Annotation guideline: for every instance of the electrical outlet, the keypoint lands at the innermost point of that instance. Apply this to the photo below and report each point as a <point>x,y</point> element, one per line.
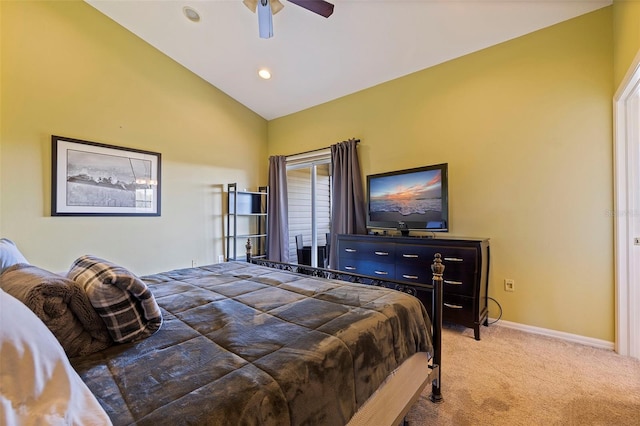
<point>194,263</point>
<point>220,258</point>
<point>509,285</point>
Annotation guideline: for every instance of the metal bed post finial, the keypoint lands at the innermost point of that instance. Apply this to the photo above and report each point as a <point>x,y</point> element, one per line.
<point>248,248</point>
<point>438,270</point>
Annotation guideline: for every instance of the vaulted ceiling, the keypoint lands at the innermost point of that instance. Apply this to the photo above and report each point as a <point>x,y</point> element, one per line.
<point>314,59</point>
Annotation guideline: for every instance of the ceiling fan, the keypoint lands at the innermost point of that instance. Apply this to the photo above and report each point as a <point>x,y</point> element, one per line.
<point>267,8</point>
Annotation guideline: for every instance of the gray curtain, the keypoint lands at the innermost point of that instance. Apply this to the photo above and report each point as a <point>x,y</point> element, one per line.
<point>348,203</point>
<point>278,224</point>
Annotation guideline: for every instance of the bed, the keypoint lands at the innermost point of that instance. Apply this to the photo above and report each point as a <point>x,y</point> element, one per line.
<point>244,344</point>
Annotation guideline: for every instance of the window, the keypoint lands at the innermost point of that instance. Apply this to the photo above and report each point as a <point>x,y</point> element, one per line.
<point>309,193</point>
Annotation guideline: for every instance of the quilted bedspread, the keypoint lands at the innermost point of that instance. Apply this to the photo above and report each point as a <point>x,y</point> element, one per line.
<point>243,344</point>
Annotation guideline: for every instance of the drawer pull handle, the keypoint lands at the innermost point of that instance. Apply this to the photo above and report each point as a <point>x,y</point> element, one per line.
<point>413,256</point>
<point>453,259</point>
<point>453,282</point>
<point>381,272</point>
<point>350,250</point>
<point>350,268</point>
<point>449,305</point>
<point>411,277</point>
<point>381,253</point>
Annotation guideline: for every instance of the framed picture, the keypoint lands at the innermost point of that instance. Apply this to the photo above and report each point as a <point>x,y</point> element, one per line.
<point>94,179</point>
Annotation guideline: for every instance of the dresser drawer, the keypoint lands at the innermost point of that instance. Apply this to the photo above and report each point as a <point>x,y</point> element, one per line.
<point>414,273</point>
<point>425,252</point>
<point>459,258</point>
<point>458,309</point>
<point>413,264</point>
<point>454,282</point>
<point>365,250</point>
<point>415,254</point>
<point>369,267</point>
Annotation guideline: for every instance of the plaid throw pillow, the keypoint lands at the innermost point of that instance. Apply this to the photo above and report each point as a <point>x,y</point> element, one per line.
<point>122,300</point>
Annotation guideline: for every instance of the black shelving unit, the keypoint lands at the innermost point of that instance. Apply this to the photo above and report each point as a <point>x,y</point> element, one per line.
<point>246,220</point>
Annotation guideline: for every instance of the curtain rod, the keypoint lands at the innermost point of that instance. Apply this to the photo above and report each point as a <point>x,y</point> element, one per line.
<point>321,149</point>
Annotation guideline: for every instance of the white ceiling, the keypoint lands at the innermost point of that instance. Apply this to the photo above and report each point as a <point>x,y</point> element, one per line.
<point>314,59</point>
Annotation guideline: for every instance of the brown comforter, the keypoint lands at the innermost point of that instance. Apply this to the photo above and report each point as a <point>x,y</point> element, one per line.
<point>247,345</point>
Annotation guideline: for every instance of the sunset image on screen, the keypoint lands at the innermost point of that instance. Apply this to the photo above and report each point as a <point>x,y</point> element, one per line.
<point>408,194</point>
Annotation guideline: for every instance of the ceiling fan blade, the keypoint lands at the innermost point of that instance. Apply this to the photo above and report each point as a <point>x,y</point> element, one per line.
<point>276,6</point>
<point>251,4</point>
<point>320,7</point>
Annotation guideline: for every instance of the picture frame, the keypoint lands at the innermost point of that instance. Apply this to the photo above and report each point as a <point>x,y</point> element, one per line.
<point>96,179</point>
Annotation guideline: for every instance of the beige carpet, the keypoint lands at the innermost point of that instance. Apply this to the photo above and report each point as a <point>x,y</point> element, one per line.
<point>515,378</point>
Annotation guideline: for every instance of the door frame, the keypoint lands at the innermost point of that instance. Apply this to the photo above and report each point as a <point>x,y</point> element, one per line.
<point>626,213</point>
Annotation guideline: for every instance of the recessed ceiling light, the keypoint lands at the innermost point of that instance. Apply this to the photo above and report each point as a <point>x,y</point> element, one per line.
<point>191,14</point>
<point>264,73</point>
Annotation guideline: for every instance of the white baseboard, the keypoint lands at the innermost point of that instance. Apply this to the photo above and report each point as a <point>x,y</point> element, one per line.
<point>575,338</point>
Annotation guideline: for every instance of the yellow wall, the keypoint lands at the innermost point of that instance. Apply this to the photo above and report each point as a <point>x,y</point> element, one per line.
<point>626,36</point>
<point>69,70</point>
<point>526,128</point>
<point>1,91</point>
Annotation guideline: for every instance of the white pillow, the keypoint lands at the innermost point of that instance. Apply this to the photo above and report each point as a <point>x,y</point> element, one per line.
<point>9,254</point>
<point>37,383</point>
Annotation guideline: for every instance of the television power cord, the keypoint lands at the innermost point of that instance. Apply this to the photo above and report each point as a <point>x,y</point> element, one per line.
<point>499,307</point>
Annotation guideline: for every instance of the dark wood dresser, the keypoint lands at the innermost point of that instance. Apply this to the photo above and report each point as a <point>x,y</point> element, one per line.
<point>408,259</point>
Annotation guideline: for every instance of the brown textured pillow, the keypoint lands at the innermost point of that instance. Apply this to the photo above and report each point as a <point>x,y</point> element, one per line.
<point>61,304</point>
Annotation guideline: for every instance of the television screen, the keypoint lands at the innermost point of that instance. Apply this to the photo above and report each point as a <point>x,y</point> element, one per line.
<point>409,199</point>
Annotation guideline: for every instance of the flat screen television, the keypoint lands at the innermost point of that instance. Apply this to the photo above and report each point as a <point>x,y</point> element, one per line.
<point>416,199</point>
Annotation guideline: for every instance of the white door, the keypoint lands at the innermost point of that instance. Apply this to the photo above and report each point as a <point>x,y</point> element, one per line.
<point>627,212</point>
